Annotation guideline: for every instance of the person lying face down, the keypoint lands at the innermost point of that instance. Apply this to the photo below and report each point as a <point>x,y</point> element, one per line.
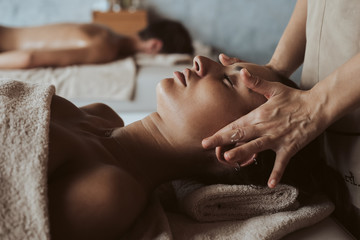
<point>101,173</point>
<point>65,44</point>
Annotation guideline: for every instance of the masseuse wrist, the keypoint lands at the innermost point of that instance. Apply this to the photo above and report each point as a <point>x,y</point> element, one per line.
<point>321,110</point>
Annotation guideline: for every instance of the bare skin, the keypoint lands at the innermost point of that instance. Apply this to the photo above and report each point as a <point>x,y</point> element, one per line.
<point>64,44</point>
<point>101,173</point>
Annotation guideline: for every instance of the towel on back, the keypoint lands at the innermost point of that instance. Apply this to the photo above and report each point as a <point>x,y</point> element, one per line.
<point>110,81</point>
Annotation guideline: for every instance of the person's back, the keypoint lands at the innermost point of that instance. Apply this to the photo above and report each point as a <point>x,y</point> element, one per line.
<point>58,45</point>
<point>54,36</point>
<point>66,44</point>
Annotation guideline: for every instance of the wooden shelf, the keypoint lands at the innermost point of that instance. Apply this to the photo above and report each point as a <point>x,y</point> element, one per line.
<point>124,22</point>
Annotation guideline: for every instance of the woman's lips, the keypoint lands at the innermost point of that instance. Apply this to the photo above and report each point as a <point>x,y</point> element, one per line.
<point>180,76</point>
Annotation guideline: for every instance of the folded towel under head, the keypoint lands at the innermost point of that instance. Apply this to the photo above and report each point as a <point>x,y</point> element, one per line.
<point>208,203</point>
<point>162,221</point>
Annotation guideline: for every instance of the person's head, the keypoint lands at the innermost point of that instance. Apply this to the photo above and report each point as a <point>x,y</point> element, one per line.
<point>199,101</point>
<point>166,36</point>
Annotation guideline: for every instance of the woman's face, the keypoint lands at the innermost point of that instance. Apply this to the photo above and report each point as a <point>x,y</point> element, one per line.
<point>197,102</point>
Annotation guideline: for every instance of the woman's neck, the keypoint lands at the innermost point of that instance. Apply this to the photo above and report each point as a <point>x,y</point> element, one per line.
<point>145,150</point>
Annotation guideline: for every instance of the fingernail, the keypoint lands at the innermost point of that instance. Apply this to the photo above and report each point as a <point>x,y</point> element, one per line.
<point>246,72</point>
<point>272,183</point>
<point>228,156</point>
<point>225,56</point>
<point>207,143</point>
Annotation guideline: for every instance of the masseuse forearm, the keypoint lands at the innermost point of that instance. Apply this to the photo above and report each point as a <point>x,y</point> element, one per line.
<point>338,94</point>
<point>289,53</point>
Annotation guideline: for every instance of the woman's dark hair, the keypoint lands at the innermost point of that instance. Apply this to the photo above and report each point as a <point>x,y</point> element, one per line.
<point>175,37</point>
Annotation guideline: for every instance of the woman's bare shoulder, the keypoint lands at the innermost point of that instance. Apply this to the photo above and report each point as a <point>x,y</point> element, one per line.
<point>103,111</point>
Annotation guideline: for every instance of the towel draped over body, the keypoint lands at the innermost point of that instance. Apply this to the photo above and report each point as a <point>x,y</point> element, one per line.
<point>24,126</point>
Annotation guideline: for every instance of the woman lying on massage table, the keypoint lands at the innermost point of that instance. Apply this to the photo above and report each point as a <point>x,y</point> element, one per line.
<point>101,174</point>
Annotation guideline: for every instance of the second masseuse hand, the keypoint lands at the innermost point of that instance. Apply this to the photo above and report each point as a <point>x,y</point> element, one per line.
<point>285,124</point>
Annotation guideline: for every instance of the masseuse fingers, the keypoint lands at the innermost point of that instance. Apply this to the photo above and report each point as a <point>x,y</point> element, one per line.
<point>259,85</point>
<point>231,134</point>
<point>245,153</point>
<point>226,135</point>
<point>226,60</point>
<point>281,161</point>
<point>219,151</point>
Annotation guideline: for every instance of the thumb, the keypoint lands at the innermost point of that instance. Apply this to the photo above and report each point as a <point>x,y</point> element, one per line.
<point>259,85</point>
<point>226,60</point>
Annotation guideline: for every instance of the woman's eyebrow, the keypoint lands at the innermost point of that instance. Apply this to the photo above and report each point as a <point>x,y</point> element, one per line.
<point>238,68</point>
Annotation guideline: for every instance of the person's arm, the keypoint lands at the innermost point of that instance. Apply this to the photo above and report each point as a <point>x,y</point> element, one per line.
<point>339,92</point>
<point>290,51</point>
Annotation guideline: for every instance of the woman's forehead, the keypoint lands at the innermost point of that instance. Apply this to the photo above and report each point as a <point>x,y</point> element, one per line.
<point>240,65</point>
<point>238,68</point>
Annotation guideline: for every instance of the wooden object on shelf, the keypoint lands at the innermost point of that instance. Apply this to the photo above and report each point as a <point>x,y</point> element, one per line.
<point>124,22</point>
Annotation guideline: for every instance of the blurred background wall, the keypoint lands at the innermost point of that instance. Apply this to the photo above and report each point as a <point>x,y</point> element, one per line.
<point>248,29</point>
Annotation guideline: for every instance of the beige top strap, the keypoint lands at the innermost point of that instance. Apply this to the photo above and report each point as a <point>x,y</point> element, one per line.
<point>333,37</point>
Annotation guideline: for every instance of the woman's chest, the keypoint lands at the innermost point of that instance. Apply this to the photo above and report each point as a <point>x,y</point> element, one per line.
<point>78,143</point>
<point>79,136</point>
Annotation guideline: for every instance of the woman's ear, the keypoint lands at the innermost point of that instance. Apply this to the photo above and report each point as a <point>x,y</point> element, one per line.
<point>153,46</point>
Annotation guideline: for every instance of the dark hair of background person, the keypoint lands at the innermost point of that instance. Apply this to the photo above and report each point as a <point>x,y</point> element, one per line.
<point>175,37</point>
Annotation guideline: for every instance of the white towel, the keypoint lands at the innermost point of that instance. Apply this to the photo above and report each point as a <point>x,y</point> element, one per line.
<point>220,202</point>
<point>265,227</point>
<point>24,128</point>
<point>157,224</point>
<point>110,81</point>
<point>163,59</point>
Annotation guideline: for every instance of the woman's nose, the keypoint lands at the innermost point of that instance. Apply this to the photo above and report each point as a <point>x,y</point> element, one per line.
<point>199,65</point>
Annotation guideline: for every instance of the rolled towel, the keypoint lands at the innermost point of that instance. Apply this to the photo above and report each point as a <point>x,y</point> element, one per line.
<point>209,203</point>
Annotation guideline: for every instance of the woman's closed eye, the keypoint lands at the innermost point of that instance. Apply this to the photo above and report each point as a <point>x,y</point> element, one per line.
<point>227,81</point>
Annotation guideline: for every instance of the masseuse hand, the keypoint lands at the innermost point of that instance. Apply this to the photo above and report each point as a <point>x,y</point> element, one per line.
<point>285,124</point>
